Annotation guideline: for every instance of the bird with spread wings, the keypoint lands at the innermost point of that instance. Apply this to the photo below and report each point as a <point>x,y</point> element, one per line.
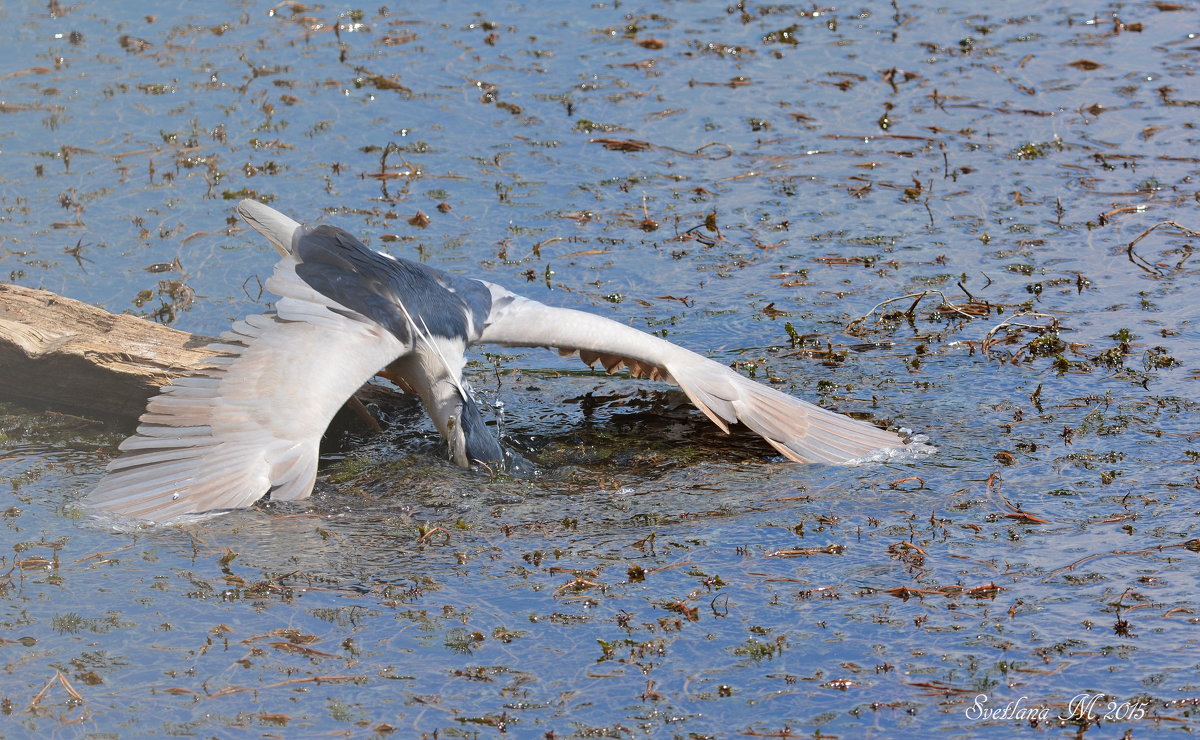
<point>250,422</point>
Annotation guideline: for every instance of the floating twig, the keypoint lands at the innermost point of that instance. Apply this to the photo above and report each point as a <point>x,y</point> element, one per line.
<point>834,549</point>
<point>917,297</point>
<point>635,145</point>
<point>60,679</point>
<point>1145,264</point>
<point>1012,321</point>
<point>1192,544</point>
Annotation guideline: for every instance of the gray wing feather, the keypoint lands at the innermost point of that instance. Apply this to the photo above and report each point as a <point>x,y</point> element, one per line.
<point>276,227</point>
<point>798,430</point>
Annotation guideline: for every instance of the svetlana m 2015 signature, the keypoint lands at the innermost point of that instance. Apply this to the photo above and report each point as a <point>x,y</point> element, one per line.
<point>1089,707</point>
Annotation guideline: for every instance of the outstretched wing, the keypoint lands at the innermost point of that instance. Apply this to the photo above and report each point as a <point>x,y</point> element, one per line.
<point>252,421</point>
<point>799,430</point>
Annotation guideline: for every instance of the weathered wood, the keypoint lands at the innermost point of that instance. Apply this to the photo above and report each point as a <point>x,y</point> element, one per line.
<point>65,354</point>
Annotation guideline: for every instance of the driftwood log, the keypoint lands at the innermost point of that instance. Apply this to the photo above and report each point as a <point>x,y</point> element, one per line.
<point>60,353</point>
<point>63,354</point>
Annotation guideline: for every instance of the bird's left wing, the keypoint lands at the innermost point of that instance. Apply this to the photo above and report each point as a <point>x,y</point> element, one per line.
<point>251,422</point>
<point>798,430</point>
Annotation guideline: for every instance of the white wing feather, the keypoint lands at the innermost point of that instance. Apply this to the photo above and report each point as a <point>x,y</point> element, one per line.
<point>253,421</point>
<point>799,430</point>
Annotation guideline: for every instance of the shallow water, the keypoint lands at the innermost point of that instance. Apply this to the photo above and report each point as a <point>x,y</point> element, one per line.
<point>710,173</point>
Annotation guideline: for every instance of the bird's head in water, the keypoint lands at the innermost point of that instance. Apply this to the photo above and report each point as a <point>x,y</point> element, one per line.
<point>471,442</point>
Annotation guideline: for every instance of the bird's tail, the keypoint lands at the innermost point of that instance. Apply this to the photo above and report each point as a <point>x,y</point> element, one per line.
<point>799,430</point>
<point>276,227</point>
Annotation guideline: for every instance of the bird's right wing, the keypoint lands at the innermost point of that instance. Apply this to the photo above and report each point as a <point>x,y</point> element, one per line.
<point>799,430</point>
<point>252,421</point>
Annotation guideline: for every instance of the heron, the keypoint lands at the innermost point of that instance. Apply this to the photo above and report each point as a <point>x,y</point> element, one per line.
<point>250,421</point>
